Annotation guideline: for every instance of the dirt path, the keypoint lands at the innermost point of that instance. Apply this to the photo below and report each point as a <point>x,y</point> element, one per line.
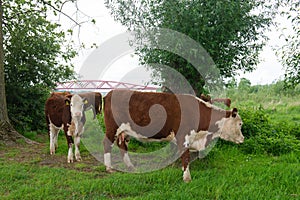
<point>38,154</point>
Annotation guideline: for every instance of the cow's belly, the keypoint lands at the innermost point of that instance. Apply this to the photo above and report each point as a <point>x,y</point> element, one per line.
<point>126,130</point>
<point>56,125</point>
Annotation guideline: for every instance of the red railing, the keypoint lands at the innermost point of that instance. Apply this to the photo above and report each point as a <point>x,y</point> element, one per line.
<point>100,85</point>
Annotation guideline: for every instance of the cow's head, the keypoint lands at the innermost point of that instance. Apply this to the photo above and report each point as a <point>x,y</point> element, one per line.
<point>77,106</point>
<point>230,128</point>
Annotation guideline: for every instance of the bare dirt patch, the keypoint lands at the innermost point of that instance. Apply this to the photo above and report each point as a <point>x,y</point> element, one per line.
<point>38,154</point>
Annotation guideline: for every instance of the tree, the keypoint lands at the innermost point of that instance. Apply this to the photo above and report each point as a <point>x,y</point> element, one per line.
<point>34,55</point>
<point>290,52</point>
<point>244,85</point>
<point>7,133</point>
<point>4,121</point>
<point>231,31</point>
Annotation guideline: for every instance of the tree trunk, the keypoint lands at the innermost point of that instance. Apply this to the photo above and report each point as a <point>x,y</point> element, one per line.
<point>8,135</point>
<point>3,107</point>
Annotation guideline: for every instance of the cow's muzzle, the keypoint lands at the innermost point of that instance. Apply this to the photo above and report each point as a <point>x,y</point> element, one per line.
<point>77,114</point>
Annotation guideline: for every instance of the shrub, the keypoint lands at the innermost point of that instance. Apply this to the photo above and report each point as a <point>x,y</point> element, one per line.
<point>265,136</point>
<point>255,121</point>
<point>26,108</point>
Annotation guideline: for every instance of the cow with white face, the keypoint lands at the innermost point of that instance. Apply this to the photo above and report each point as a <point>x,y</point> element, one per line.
<point>184,119</point>
<point>67,114</point>
<point>78,120</point>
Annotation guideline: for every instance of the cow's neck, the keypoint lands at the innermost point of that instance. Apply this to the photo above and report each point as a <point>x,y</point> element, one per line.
<point>217,115</point>
<point>78,125</point>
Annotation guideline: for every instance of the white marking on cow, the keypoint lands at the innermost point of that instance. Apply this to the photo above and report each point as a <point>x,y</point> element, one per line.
<point>107,160</point>
<point>207,104</point>
<point>53,137</point>
<point>230,129</point>
<point>77,143</point>
<point>70,154</point>
<point>187,175</point>
<point>196,140</point>
<point>71,129</point>
<point>127,161</point>
<point>79,128</point>
<point>76,105</point>
<point>220,123</point>
<point>76,128</point>
<point>52,147</point>
<point>125,130</point>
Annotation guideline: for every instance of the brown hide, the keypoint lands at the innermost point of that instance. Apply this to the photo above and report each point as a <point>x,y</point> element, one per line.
<point>58,112</point>
<point>160,116</point>
<point>65,93</point>
<point>181,114</point>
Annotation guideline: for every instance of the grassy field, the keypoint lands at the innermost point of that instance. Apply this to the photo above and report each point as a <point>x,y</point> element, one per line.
<point>28,172</point>
<point>227,172</point>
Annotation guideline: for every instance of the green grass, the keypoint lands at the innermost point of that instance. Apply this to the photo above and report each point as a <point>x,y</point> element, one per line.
<point>224,174</point>
<point>227,172</point>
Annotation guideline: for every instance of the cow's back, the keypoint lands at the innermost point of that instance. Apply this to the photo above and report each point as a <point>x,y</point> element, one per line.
<point>171,112</point>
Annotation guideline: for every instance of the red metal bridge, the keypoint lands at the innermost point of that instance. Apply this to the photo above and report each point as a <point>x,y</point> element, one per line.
<point>100,85</point>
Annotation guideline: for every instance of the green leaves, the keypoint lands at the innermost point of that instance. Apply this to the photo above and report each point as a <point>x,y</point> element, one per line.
<point>33,47</point>
<point>36,58</point>
<point>289,53</point>
<point>232,32</point>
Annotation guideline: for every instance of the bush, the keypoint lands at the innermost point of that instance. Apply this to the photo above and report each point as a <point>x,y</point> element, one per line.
<point>265,136</point>
<point>271,145</point>
<point>255,121</point>
<point>26,108</point>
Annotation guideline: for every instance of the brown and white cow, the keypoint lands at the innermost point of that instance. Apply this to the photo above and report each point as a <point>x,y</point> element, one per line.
<point>94,100</point>
<point>188,120</point>
<point>67,114</point>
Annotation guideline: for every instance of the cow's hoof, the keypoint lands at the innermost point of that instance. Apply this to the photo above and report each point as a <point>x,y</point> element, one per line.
<point>187,180</point>
<point>78,159</point>
<point>52,152</point>
<point>187,177</point>
<point>110,170</point>
<point>131,168</point>
<point>70,160</point>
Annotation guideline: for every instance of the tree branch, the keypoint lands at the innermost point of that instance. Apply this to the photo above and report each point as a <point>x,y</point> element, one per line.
<point>60,10</point>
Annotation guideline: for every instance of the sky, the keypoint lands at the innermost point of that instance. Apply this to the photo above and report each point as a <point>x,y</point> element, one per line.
<point>126,68</point>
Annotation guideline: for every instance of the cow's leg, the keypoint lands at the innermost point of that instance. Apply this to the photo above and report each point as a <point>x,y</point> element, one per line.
<point>122,142</point>
<point>108,144</point>
<point>185,159</point>
<point>55,139</point>
<point>77,143</point>
<point>185,156</point>
<point>70,149</point>
<point>77,152</point>
<point>53,134</point>
<point>70,143</point>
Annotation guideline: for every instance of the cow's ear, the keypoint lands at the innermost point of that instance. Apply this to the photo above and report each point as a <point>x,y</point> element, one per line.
<point>67,102</point>
<point>85,101</point>
<point>234,112</point>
